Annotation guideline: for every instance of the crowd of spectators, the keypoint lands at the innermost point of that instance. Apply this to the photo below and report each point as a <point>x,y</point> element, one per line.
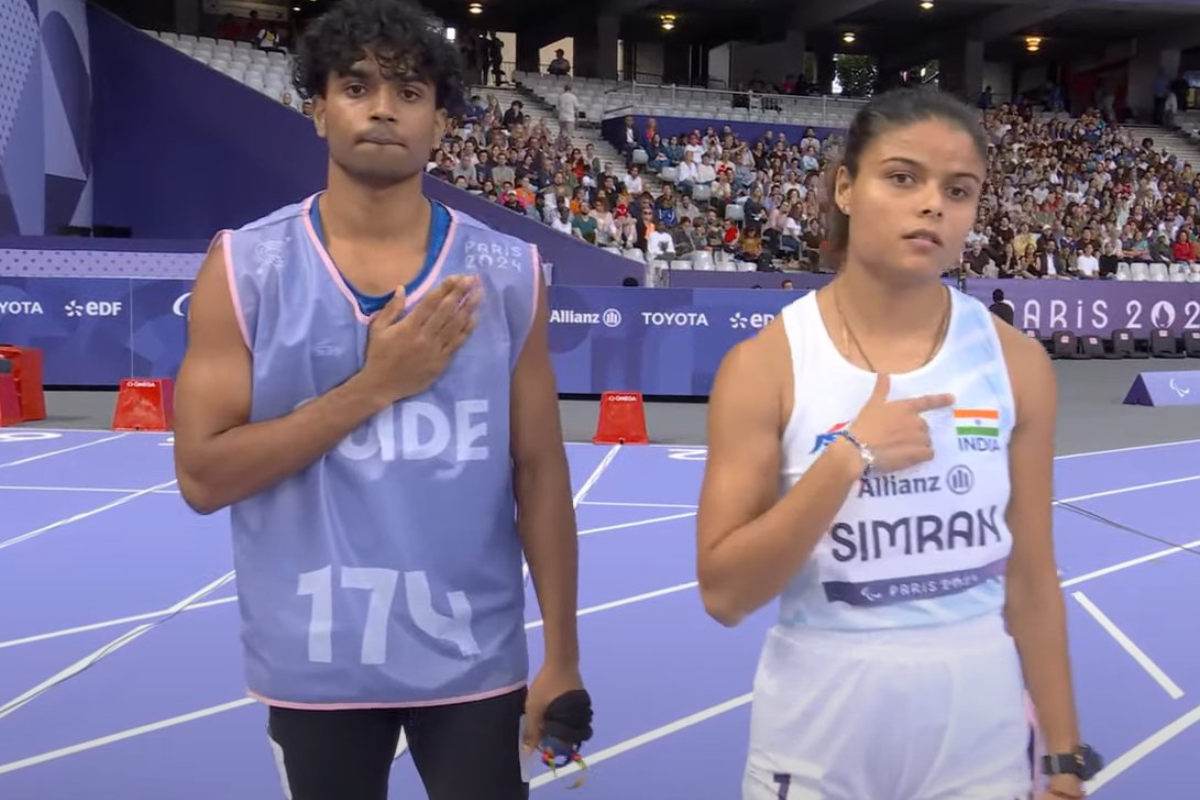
<point>1065,197</point>
<point>1074,197</point>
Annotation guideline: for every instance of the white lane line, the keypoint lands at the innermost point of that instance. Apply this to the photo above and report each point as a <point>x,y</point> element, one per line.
<point>1115,768</point>
<point>582,493</point>
<point>1127,489</point>
<point>1128,645</point>
<point>206,712</point>
<point>684,445</point>
<point>85,489</point>
<point>1132,449</point>
<point>84,515</point>
<point>113,738</point>
<point>95,626</point>
<point>629,505</point>
<point>1133,562</point>
<point>223,600</point>
<point>637,598</point>
<point>646,738</point>
<point>1090,576</point>
<point>1085,454</point>
<point>1144,748</point>
<point>107,650</point>
<point>596,473</point>
<point>636,523</point>
<point>605,503</point>
<point>40,456</point>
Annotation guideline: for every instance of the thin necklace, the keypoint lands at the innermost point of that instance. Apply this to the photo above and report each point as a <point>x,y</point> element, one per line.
<point>849,336</point>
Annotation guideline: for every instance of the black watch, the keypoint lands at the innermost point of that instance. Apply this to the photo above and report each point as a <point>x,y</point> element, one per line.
<point>1084,763</point>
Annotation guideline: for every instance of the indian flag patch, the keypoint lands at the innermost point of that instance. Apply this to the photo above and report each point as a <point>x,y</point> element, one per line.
<point>977,422</point>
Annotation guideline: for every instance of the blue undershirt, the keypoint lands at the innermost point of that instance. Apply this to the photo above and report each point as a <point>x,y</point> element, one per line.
<point>438,230</point>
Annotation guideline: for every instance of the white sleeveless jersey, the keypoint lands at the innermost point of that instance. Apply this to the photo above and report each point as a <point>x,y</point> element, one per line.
<point>923,546</point>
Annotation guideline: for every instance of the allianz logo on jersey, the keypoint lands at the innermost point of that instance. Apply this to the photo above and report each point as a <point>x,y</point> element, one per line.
<point>610,318</point>
<point>959,479</point>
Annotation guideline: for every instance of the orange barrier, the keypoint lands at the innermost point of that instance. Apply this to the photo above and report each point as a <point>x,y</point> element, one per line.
<point>27,377</point>
<point>145,404</point>
<point>10,404</point>
<point>622,419</point>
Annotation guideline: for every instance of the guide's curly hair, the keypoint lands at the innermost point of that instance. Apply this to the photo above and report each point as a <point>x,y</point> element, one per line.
<point>402,38</point>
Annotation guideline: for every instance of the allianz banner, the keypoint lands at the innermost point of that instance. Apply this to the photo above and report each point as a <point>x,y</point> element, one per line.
<point>96,331</point>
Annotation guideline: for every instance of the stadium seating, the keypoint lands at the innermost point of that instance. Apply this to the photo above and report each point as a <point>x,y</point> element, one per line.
<point>740,223</point>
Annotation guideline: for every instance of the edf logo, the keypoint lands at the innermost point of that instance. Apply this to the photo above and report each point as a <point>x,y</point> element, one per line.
<point>94,308</point>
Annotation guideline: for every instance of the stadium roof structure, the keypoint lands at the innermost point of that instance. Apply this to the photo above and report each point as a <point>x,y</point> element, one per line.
<point>1070,28</point>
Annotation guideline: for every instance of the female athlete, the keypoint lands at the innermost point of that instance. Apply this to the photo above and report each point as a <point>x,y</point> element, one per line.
<point>880,459</point>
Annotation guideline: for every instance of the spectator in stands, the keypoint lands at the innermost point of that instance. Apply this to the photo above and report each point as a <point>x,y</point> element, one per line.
<point>975,260</point>
<point>687,238</point>
<point>1050,263</point>
<point>559,65</point>
<point>648,133</point>
<point>1108,260</point>
<point>1071,181</point>
<point>253,28</point>
<point>634,182</point>
<point>751,245</point>
<point>658,241</point>
<point>266,36</point>
<point>606,230</point>
<point>1000,308</point>
<point>583,224</point>
<point>231,28</point>
<point>629,141</point>
<point>689,172</point>
<point>562,222</point>
<point>658,154</point>
<point>1184,249</point>
<point>1087,263</point>
<point>568,111</point>
<point>502,173</point>
<point>495,57</point>
<point>515,115</point>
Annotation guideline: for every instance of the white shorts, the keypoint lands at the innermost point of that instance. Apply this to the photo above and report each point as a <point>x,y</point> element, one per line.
<point>917,714</point>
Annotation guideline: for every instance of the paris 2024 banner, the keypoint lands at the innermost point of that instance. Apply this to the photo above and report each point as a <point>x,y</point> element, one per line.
<point>96,331</point>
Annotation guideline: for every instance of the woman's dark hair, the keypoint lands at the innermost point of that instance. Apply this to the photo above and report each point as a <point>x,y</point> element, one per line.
<point>896,108</point>
<point>405,41</point>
